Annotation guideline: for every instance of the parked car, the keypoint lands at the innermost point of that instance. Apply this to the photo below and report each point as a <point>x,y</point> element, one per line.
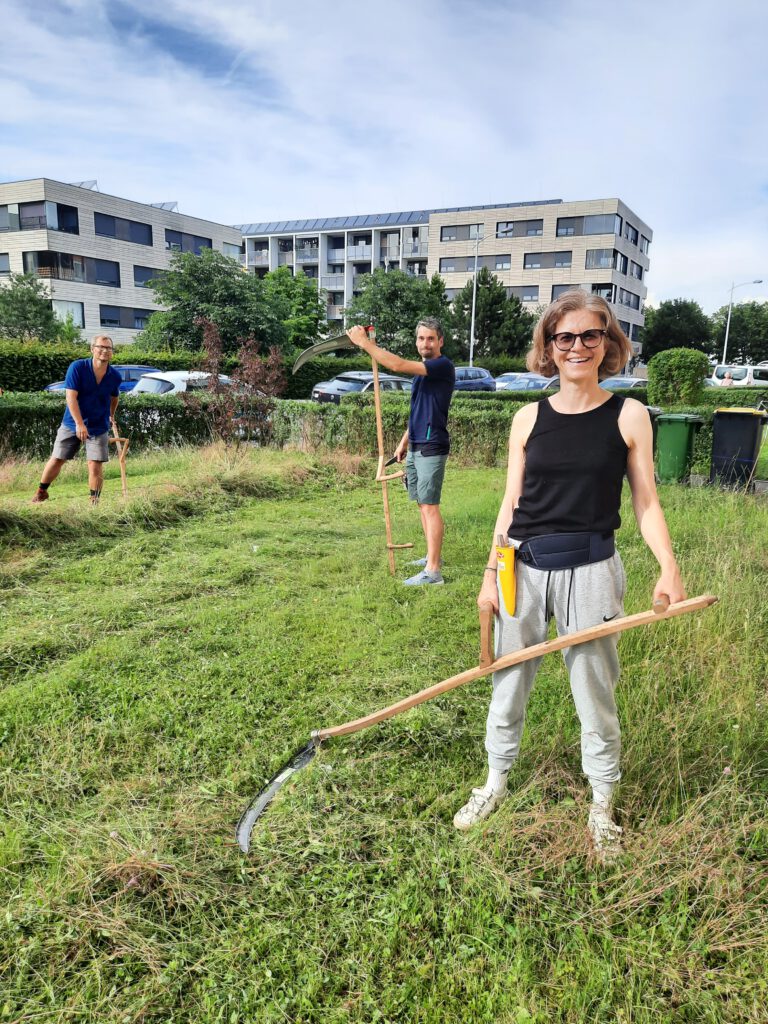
<point>130,375</point>
<point>174,382</point>
<point>474,378</point>
<point>741,376</point>
<point>356,381</point>
<point>525,382</point>
<point>623,382</point>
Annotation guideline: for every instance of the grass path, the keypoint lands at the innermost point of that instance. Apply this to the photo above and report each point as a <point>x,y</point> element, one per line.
<point>159,661</point>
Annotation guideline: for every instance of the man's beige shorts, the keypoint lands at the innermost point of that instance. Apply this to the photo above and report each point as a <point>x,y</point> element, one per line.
<point>67,445</point>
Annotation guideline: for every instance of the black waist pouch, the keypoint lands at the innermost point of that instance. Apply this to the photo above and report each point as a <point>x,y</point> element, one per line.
<point>566,550</point>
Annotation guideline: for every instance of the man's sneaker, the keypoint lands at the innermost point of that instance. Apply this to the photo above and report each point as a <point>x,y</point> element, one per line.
<point>424,577</point>
<point>40,495</point>
<point>604,832</point>
<point>480,806</point>
<point>421,561</point>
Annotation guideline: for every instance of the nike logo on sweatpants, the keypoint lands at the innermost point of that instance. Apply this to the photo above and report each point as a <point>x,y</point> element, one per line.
<point>607,618</point>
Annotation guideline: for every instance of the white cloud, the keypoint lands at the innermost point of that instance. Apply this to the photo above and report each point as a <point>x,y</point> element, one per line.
<point>319,111</point>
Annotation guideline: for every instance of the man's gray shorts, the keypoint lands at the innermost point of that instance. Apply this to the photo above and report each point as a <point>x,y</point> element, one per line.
<point>424,474</point>
<point>67,445</point>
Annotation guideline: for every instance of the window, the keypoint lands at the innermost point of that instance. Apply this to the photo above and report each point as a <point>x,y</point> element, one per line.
<point>448,265</point>
<point>602,224</point>
<point>630,233</point>
<point>605,291</point>
<point>533,227</point>
<point>61,266</point>
<point>620,262</point>
<point>126,230</point>
<point>61,217</point>
<point>461,232</point>
<point>558,289</point>
<point>109,316</point>
<point>599,259</point>
<point>143,275</point>
<point>32,216</point>
<point>503,262</point>
<point>532,261</point>
<point>5,219</point>
<point>5,263</point>
<point>627,298</point>
<point>505,228</point>
<point>180,241</point>
<point>62,309</point>
<point>645,244</point>
<point>563,259</point>
<point>624,325</point>
<point>141,318</point>
<point>232,250</point>
<point>524,292</point>
<point>635,270</point>
<point>104,272</point>
<point>567,226</point>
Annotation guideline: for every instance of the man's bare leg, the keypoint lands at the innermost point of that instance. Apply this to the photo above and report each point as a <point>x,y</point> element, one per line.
<point>434,528</point>
<point>95,480</point>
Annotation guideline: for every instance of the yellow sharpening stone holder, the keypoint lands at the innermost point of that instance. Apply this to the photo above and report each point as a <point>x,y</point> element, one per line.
<point>505,558</point>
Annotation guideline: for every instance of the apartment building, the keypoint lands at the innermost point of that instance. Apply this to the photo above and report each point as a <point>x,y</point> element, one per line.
<point>537,250</point>
<point>97,252</point>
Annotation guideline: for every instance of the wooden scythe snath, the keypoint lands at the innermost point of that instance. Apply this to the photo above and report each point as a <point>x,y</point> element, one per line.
<point>381,476</point>
<point>121,444</point>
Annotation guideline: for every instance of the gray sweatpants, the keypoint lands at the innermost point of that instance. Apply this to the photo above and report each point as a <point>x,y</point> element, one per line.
<point>577,598</point>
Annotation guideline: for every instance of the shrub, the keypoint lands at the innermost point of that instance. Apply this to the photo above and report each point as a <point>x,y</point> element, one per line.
<point>676,376</point>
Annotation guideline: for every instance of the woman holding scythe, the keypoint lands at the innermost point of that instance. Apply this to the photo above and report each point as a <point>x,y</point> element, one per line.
<point>568,455</point>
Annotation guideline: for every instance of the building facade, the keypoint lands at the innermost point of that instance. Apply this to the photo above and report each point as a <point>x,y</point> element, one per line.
<point>97,252</point>
<point>537,249</point>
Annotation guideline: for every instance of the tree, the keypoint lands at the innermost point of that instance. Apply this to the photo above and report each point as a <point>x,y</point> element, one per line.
<point>677,323</point>
<point>25,310</point>
<point>296,302</point>
<point>211,288</point>
<point>502,325</point>
<point>395,302</point>
<point>747,335</point>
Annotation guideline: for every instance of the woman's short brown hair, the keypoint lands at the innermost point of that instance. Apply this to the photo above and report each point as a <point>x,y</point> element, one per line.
<point>617,346</point>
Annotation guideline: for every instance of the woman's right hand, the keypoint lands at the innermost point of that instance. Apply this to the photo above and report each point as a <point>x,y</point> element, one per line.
<point>489,593</point>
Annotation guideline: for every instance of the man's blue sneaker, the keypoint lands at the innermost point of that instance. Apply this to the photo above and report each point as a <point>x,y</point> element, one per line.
<point>421,561</point>
<point>424,577</point>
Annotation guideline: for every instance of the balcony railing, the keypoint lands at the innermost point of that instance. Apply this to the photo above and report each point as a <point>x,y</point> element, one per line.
<point>415,272</point>
<point>307,255</point>
<point>335,312</point>
<point>32,223</point>
<point>62,274</point>
<point>333,282</point>
<point>359,252</point>
<point>258,258</point>
<point>285,259</point>
<point>390,252</point>
<point>415,248</point>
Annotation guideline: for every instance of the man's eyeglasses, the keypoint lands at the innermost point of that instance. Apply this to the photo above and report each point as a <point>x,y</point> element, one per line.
<point>589,339</point>
<point>104,348</point>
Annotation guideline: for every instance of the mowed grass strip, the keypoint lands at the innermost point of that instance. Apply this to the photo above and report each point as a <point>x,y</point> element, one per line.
<point>157,671</point>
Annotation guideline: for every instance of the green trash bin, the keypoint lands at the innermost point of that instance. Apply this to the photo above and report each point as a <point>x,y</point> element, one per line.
<point>674,445</point>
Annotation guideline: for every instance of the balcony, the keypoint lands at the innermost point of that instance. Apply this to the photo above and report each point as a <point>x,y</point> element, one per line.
<point>335,312</point>
<point>285,259</point>
<point>359,252</point>
<point>258,258</point>
<point>390,253</point>
<point>308,255</point>
<point>333,282</point>
<point>415,272</point>
<point>415,248</point>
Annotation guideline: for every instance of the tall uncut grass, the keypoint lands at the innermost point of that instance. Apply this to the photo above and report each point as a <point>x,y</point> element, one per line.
<point>162,657</point>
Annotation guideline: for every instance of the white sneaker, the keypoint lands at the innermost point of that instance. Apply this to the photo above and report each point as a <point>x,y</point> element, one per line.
<point>480,806</point>
<point>604,832</point>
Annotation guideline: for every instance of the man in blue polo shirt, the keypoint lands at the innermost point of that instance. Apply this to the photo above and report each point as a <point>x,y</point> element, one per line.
<point>93,390</point>
<point>426,440</point>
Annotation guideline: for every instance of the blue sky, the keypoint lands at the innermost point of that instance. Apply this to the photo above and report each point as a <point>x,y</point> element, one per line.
<point>251,110</point>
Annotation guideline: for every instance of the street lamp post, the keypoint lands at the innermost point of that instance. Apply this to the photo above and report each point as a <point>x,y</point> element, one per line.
<point>758,280</point>
<point>474,301</point>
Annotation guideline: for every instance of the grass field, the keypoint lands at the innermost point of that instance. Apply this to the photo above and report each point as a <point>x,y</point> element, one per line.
<point>162,657</point>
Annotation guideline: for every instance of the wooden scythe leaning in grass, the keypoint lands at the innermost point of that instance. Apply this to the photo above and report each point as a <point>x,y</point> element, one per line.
<point>121,443</point>
<point>661,610</point>
<point>331,345</point>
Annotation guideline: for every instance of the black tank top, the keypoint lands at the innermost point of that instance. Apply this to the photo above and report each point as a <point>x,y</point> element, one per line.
<point>574,469</point>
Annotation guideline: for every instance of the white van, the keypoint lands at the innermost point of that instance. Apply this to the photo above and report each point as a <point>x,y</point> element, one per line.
<point>742,376</point>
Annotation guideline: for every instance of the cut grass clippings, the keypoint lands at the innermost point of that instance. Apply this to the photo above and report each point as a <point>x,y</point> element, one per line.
<point>159,665</point>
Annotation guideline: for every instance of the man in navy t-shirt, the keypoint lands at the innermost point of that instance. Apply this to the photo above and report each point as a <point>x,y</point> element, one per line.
<point>93,390</point>
<point>426,440</point>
